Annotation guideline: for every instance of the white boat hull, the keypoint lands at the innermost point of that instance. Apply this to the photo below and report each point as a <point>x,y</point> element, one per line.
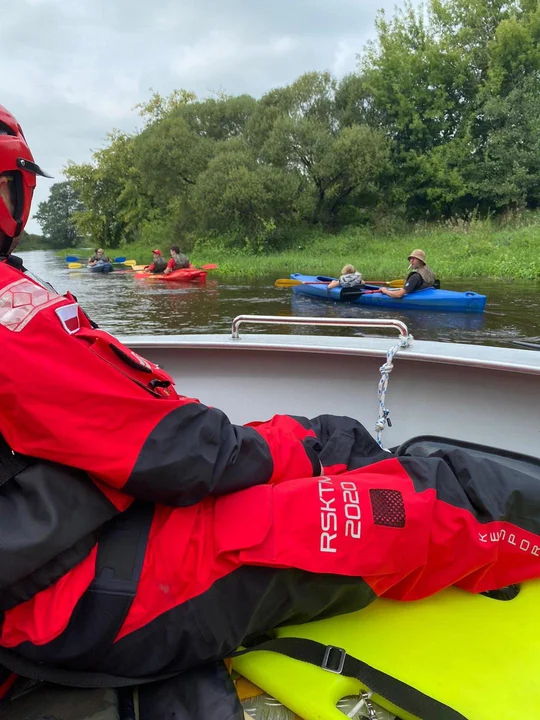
<point>480,394</point>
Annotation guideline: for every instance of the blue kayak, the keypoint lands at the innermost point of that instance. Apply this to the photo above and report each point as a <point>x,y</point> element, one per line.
<point>428,299</point>
<point>101,267</point>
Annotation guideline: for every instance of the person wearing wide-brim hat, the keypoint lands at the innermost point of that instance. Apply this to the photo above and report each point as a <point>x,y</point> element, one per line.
<point>420,277</point>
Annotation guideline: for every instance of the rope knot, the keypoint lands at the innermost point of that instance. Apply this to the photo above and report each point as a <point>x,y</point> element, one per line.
<point>405,340</point>
<point>383,420</point>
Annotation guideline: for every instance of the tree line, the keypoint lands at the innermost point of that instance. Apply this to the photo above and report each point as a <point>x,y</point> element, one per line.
<point>441,119</point>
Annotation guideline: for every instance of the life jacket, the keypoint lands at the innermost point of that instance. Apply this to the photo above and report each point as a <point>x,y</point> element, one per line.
<point>159,265</point>
<point>427,275</point>
<point>180,261</point>
<point>350,280</point>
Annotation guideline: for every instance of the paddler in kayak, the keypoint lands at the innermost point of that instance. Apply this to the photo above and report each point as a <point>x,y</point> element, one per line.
<point>349,278</point>
<point>158,264</point>
<point>420,277</point>
<point>178,260</point>
<point>185,536</point>
<point>98,256</point>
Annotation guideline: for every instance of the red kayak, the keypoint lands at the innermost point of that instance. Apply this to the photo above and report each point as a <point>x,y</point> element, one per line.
<point>182,275</point>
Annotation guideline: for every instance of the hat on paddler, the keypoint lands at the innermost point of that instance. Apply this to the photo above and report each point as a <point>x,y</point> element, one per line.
<point>419,255</point>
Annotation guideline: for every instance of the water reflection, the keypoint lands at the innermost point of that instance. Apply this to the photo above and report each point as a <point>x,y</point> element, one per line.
<point>124,305</point>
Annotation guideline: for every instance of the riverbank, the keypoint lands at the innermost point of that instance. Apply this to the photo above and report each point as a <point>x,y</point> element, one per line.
<point>479,249</point>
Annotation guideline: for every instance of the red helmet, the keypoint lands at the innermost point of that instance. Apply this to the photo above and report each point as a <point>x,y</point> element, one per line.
<point>17,161</point>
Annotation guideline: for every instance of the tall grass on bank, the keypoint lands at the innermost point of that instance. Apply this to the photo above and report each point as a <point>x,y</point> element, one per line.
<point>481,248</point>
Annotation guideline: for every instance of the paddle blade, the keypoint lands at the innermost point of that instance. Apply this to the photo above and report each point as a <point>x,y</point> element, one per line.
<point>74,265</point>
<point>396,283</point>
<point>286,282</point>
<point>71,258</point>
<point>130,263</point>
<point>289,282</point>
<point>210,266</point>
<point>120,259</point>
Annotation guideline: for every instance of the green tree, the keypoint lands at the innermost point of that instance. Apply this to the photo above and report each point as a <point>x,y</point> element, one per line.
<point>333,162</point>
<point>468,27</point>
<point>425,81</point>
<point>159,107</point>
<point>55,216</point>
<point>30,241</point>
<point>505,172</point>
<point>417,85</point>
<point>238,195</point>
<point>219,118</point>
<point>169,156</point>
<point>112,193</point>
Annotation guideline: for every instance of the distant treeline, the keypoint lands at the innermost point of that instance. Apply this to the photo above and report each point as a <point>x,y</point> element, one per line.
<point>29,241</point>
<point>440,120</point>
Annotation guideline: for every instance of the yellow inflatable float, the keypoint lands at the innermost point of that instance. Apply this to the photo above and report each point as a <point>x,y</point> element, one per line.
<point>478,655</point>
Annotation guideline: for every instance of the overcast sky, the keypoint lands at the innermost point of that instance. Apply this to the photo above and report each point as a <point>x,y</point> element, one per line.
<point>74,69</point>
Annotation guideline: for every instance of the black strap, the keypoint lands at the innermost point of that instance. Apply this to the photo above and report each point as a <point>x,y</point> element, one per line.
<point>119,563</point>
<point>337,660</point>
<point>118,568</point>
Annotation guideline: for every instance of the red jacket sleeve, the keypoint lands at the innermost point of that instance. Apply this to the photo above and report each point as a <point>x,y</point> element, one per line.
<point>195,451</point>
<point>409,527</point>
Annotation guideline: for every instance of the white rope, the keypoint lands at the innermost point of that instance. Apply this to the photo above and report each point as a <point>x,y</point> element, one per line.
<point>383,420</point>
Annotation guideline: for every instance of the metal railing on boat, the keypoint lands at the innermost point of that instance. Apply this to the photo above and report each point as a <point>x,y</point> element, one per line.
<point>318,321</point>
<point>404,340</point>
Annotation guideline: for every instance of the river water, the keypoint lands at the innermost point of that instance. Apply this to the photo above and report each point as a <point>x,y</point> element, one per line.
<point>127,306</point>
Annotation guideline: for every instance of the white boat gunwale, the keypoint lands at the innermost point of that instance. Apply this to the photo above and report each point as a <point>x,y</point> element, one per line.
<point>460,354</point>
<point>481,394</point>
